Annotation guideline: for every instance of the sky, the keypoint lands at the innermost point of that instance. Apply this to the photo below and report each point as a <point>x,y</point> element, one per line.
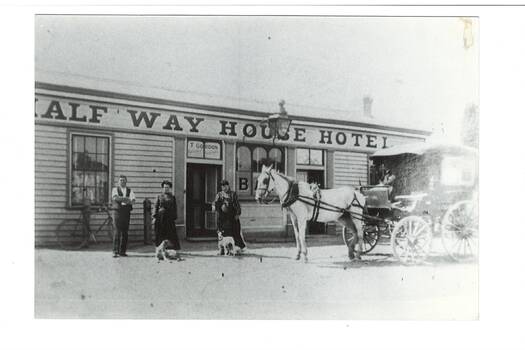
<point>417,70</point>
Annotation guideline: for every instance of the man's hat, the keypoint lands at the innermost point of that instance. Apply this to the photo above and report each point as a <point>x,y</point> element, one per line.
<point>224,182</point>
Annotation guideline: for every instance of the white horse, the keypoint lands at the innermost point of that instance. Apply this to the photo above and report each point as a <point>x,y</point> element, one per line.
<point>336,206</point>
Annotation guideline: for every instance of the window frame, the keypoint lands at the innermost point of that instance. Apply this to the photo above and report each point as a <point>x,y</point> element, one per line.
<point>252,147</point>
<point>204,141</point>
<point>309,165</point>
<point>69,170</point>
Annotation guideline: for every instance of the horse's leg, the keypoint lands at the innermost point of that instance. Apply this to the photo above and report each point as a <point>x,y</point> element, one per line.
<point>302,239</point>
<point>293,219</point>
<point>347,222</point>
<point>360,238</point>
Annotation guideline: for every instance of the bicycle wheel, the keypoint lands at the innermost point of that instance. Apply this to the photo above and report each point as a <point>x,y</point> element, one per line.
<point>70,234</point>
<point>110,230</point>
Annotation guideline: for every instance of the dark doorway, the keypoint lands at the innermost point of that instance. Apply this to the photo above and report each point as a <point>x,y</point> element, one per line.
<point>202,183</point>
<point>313,176</point>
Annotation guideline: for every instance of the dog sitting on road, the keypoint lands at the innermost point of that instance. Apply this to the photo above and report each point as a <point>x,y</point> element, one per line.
<point>226,244</point>
<point>161,252</point>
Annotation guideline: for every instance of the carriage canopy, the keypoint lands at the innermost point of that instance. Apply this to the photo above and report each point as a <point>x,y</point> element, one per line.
<point>426,167</point>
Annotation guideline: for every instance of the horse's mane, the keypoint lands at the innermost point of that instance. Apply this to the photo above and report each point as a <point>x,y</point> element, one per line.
<point>285,176</point>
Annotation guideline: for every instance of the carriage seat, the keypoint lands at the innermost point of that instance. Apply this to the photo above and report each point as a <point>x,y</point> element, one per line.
<point>376,197</point>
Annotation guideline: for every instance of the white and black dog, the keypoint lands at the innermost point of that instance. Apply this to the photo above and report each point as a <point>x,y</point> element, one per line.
<point>225,244</point>
<point>162,252</point>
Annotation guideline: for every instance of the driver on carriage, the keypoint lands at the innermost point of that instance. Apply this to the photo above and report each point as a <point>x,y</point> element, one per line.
<point>388,180</point>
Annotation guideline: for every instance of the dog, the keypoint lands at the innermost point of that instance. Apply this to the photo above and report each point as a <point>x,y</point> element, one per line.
<point>161,252</point>
<point>226,244</point>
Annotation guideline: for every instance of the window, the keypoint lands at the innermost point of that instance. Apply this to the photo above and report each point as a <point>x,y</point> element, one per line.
<point>457,171</point>
<point>89,169</point>
<point>250,160</point>
<point>307,156</point>
<point>204,149</point>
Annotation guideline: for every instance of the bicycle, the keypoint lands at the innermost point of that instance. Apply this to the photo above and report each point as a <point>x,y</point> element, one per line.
<point>77,233</point>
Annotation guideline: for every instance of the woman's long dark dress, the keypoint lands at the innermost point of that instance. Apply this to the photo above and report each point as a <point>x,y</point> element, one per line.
<point>227,223</point>
<point>165,215</point>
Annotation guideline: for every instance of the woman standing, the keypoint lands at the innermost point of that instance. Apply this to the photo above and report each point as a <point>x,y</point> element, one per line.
<point>227,205</point>
<point>164,218</point>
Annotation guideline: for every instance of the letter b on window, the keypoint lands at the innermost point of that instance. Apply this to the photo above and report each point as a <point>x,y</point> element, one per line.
<point>243,184</point>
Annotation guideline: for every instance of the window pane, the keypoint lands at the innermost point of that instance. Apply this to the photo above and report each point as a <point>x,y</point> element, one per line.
<point>100,195</point>
<point>78,144</point>
<point>276,155</point>
<point>316,157</point>
<point>195,149</point>
<point>102,145</point>
<point>90,194</point>
<point>90,179</point>
<point>244,182</point>
<point>75,162</point>
<point>90,161</point>
<point>102,162</point>
<point>243,159</point>
<point>254,180</point>
<point>302,155</point>
<point>91,145</point>
<point>102,179</point>
<point>212,150</point>
<point>259,154</point>
<point>77,179</point>
<point>76,195</point>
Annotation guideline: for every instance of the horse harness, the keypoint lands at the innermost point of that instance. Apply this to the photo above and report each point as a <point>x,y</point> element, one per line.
<point>292,195</point>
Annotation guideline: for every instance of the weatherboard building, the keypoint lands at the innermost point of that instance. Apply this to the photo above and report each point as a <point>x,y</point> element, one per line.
<point>87,135</point>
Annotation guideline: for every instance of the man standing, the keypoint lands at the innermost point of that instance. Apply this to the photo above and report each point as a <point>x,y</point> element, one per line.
<point>124,198</point>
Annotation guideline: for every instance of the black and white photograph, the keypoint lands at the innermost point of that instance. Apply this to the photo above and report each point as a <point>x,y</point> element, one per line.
<point>274,176</point>
<point>263,167</point>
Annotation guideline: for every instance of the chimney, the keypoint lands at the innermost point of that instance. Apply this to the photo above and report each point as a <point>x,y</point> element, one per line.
<point>367,106</point>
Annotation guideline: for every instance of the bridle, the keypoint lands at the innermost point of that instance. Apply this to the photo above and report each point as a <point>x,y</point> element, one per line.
<point>267,183</point>
<point>265,189</point>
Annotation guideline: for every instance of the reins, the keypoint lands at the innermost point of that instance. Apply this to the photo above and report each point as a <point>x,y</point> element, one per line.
<point>319,204</point>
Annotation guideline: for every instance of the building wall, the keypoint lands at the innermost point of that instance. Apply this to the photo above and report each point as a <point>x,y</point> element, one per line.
<point>350,169</point>
<point>148,154</point>
<point>50,182</point>
<point>146,160</point>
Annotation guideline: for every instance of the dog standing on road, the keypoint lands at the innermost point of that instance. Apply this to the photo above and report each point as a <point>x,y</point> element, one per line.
<point>226,245</point>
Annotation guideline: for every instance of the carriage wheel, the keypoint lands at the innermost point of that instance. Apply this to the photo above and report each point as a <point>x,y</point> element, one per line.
<point>370,237</point>
<point>411,239</point>
<point>459,231</point>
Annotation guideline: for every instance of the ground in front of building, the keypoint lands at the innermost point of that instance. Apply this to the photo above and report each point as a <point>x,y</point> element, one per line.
<point>265,283</point>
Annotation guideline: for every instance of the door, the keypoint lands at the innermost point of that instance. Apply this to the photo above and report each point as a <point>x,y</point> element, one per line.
<point>313,176</point>
<point>201,188</point>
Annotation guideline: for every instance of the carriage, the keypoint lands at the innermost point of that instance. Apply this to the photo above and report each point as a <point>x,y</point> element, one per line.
<point>434,195</point>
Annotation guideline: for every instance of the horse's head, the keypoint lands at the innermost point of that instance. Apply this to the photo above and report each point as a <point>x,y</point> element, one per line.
<point>265,183</point>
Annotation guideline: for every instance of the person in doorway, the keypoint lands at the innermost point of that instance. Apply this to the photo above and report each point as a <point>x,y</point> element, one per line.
<point>124,198</point>
<point>164,216</point>
<point>229,209</point>
<point>388,180</point>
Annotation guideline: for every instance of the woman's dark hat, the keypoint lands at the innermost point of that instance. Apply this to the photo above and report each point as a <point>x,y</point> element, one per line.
<point>224,182</point>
